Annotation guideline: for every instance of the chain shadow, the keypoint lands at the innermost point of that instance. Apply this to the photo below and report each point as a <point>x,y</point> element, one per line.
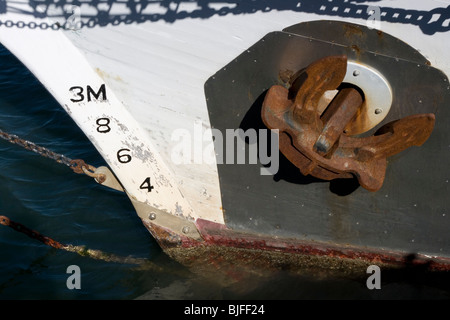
<point>113,12</point>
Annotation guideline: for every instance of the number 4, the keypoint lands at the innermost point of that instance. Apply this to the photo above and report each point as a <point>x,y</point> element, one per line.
<point>146,185</point>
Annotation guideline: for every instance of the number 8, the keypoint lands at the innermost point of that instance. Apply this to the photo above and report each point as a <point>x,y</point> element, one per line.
<point>103,125</point>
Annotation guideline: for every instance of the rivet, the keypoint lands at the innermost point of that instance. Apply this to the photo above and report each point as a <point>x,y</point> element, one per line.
<point>378,111</point>
<point>185,229</point>
<point>355,73</point>
<point>152,216</point>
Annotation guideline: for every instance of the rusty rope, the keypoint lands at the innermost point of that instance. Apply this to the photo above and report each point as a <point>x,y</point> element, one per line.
<point>81,250</point>
<point>77,165</point>
<point>31,233</point>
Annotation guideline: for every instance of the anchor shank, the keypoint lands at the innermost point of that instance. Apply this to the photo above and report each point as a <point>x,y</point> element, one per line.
<point>336,117</point>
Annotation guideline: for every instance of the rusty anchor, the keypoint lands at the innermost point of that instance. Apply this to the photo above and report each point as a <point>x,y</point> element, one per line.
<point>316,141</point>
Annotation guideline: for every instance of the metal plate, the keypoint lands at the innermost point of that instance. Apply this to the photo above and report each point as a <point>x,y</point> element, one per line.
<point>377,97</point>
<point>358,37</point>
<point>409,213</point>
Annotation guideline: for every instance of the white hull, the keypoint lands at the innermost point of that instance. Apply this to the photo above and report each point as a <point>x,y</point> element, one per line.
<point>155,72</point>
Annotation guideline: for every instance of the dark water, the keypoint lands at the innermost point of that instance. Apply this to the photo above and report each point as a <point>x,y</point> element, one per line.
<point>48,197</point>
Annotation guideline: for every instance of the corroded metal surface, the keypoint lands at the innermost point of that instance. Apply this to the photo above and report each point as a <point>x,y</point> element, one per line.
<point>227,256</point>
<point>217,236</point>
<point>317,143</point>
<point>83,250</point>
<point>408,214</point>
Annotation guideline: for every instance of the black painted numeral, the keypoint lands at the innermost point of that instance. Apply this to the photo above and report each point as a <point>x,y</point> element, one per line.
<point>122,156</point>
<point>78,91</point>
<point>146,185</point>
<point>101,91</point>
<point>103,125</point>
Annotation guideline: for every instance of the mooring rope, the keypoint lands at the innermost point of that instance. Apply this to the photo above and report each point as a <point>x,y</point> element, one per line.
<point>80,167</point>
<point>83,250</point>
<point>77,165</point>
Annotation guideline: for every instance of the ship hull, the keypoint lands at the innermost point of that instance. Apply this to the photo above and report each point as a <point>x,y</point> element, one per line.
<point>154,92</point>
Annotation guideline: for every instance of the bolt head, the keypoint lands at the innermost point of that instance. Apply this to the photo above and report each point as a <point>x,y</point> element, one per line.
<point>185,229</point>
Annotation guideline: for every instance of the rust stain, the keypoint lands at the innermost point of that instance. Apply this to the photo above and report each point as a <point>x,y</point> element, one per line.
<point>218,237</point>
<point>285,76</point>
<point>357,50</point>
<point>380,34</point>
<point>105,75</point>
<point>168,238</point>
<point>230,256</point>
<point>352,31</point>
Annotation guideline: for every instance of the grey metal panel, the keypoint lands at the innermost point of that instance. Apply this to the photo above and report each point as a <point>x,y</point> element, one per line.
<point>409,213</point>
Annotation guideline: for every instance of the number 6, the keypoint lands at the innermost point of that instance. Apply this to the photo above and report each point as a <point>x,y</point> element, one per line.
<point>123,158</point>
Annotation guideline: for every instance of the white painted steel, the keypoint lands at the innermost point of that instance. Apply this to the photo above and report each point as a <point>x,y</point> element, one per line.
<point>59,66</point>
